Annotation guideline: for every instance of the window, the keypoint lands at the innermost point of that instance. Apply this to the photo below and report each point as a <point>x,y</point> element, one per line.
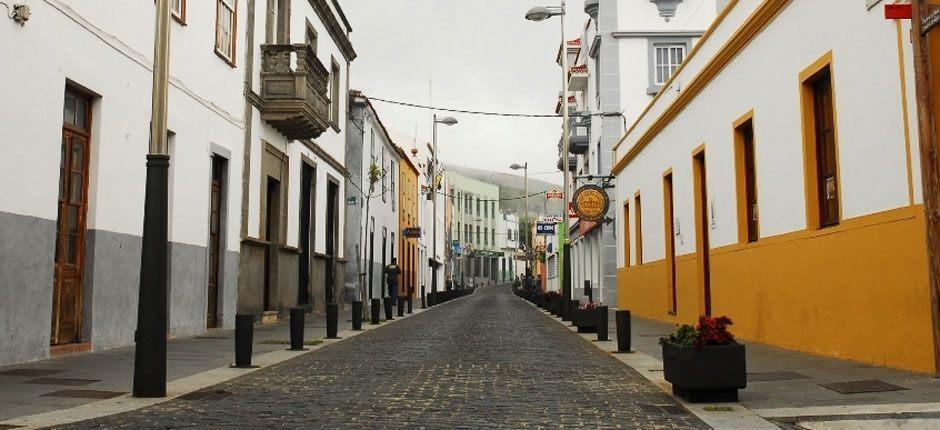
<point>178,10</point>
<point>478,235</point>
<point>334,94</point>
<point>392,176</point>
<point>820,146</point>
<point>493,236</point>
<point>746,179</point>
<point>508,234</point>
<point>384,174</point>
<point>668,59</point>
<point>311,36</point>
<point>493,209</point>
<point>638,228</point>
<point>478,206</point>
<point>225,30</point>
<point>486,236</point>
<point>486,210</point>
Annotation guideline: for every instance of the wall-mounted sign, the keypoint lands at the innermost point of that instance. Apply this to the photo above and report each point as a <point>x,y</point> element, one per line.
<point>554,194</point>
<point>552,219</point>
<point>545,229</point>
<point>411,232</point>
<point>591,203</point>
<point>351,200</point>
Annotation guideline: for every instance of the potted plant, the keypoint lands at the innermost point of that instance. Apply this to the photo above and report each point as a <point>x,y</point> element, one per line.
<point>704,363</point>
<point>585,318</point>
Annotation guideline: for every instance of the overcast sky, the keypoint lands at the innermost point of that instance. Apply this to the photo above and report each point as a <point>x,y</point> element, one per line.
<point>477,55</point>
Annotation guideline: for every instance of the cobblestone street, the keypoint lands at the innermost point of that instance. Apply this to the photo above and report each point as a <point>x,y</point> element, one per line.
<point>488,360</point>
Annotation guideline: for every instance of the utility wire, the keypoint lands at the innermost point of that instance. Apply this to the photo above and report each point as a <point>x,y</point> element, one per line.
<point>485,113</point>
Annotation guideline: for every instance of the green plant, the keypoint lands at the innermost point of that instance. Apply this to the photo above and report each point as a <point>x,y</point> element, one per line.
<point>685,335</point>
<point>708,331</point>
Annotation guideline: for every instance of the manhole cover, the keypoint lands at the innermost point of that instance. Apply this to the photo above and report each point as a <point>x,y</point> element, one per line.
<point>775,376</point>
<point>61,381</point>
<point>30,373</point>
<point>206,395</point>
<point>84,394</point>
<point>854,387</point>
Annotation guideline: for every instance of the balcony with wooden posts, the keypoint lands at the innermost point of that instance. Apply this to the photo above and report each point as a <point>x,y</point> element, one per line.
<point>294,90</point>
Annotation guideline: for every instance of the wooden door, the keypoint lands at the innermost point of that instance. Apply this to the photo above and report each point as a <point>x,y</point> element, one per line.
<point>215,242</point>
<point>826,169</point>
<point>669,231</point>
<point>272,232</point>
<point>306,222</point>
<point>702,227</point>
<point>332,231</point>
<point>70,226</point>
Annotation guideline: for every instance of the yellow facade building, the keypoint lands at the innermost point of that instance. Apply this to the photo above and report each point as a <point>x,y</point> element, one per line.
<point>408,218</point>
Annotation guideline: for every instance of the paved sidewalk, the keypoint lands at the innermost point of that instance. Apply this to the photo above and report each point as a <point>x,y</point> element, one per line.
<point>66,382</point>
<point>789,388</point>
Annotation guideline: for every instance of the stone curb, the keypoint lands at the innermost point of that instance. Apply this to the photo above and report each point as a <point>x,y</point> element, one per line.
<point>719,417</point>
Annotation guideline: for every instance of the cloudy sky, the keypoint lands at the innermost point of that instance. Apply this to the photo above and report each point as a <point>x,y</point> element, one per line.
<point>466,54</point>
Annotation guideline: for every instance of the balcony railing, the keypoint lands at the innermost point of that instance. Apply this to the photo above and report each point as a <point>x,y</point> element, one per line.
<point>294,91</point>
<point>580,134</point>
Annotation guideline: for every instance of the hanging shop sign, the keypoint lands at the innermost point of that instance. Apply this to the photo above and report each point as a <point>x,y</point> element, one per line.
<point>545,229</point>
<point>591,203</point>
<point>551,219</point>
<point>554,194</point>
<point>411,232</point>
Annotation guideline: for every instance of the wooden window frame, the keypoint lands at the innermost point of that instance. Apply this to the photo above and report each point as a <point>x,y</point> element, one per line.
<point>807,78</point>
<point>742,183</point>
<point>638,228</point>
<point>233,5</point>
<point>181,16</point>
<point>335,94</point>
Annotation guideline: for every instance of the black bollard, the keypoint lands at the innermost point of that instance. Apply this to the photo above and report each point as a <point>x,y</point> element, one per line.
<point>411,305</point>
<point>332,320</point>
<point>424,300</point>
<point>375,307</point>
<point>624,335</point>
<point>244,336</point>
<point>296,329</point>
<point>565,308</point>
<point>401,307</point>
<point>388,308</point>
<point>602,321</point>
<point>357,315</point>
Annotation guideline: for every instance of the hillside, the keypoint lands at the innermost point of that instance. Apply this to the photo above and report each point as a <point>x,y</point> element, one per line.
<point>512,187</point>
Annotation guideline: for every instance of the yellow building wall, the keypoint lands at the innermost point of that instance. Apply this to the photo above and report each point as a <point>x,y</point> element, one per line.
<point>857,291</point>
<point>407,217</point>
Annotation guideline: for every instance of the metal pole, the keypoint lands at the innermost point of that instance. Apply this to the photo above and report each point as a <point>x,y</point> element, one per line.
<point>150,338</point>
<point>566,262</point>
<point>528,245</point>
<point>434,209</point>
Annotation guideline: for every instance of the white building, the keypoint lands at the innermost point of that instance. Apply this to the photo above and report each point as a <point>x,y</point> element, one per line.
<point>72,188</point>
<point>372,209</point>
<point>475,227</point>
<point>627,51</point>
<point>507,242</point>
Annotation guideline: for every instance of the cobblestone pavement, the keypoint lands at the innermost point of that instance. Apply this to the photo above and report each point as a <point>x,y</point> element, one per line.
<point>489,360</point>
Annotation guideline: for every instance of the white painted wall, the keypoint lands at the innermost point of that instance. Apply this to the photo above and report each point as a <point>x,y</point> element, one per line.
<point>764,77</point>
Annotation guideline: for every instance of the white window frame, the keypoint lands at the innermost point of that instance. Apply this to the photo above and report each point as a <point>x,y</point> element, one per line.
<point>666,55</point>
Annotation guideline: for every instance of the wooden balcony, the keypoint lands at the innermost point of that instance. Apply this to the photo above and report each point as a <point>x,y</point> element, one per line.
<point>294,91</point>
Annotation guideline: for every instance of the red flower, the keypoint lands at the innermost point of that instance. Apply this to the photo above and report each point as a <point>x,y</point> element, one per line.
<point>713,331</point>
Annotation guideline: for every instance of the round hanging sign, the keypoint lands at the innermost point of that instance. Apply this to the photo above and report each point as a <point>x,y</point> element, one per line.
<point>591,203</point>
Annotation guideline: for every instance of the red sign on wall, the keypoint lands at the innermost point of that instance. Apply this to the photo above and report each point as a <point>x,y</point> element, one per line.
<point>898,11</point>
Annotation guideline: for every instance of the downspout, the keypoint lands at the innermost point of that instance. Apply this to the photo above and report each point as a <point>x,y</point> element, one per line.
<point>249,111</point>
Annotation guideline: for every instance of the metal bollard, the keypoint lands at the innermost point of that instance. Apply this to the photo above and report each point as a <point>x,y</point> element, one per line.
<point>624,335</point>
<point>332,320</point>
<point>296,329</point>
<point>375,307</point>
<point>424,299</point>
<point>244,336</point>
<point>388,308</point>
<point>565,309</point>
<point>401,307</point>
<point>411,305</point>
<point>602,321</point>
<point>357,315</point>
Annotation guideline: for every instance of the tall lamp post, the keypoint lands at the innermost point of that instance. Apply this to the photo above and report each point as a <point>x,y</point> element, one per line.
<point>528,244</point>
<point>150,340</point>
<point>449,121</point>
<point>542,13</point>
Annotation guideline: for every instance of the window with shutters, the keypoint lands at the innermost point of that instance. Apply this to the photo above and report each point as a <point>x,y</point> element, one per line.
<point>225,31</point>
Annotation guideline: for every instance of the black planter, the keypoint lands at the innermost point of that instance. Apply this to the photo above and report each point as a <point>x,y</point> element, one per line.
<point>332,320</point>
<point>624,334</point>
<point>708,374</point>
<point>585,320</point>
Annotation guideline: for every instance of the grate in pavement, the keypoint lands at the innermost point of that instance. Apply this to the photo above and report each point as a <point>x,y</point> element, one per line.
<point>84,394</point>
<point>61,381</point>
<point>661,409</point>
<point>855,387</point>
<point>206,395</point>
<point>30,373</point>
<point>775,376</point>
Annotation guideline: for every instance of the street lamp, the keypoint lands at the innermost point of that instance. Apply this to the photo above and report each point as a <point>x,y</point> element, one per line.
<point>541,14</point>
<point>448,121</point>
<point>150,340</point>
<point>528,245</point>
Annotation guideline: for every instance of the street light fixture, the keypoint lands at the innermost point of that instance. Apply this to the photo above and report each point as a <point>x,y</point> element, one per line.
<point>448,121</point>
<point>528,245</point>
<point>541,14</point>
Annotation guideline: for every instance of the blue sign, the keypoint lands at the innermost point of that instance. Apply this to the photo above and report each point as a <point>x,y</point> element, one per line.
<point>545,229</point>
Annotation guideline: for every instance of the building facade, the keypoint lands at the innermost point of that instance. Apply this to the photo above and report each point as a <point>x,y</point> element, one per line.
<point>409,247</point>
<point>507,241</point>
<point>626,52</point>
<point>475,225</point>
<point>797,209</point>
<point>372,203</point>
<point>72,181</point>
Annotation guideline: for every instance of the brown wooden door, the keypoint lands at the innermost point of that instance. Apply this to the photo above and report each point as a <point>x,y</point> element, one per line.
<point>750,184</point>
<point>215,243</point>
<point>828,186</point>
<point>70,226</point>
<point>702,235</point>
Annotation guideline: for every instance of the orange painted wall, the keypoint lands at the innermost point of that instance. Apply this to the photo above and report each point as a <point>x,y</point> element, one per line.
<point>857,291</point>
<point>407,217</point>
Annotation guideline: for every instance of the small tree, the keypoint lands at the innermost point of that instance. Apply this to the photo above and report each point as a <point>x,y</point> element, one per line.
<point>374,175</point>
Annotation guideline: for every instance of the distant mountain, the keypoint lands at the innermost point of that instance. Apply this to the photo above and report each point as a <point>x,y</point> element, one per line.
<point>512,190</point>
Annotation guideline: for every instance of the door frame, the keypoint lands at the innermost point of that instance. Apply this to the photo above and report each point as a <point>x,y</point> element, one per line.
<point>702,242</point>
<point>225,158</point>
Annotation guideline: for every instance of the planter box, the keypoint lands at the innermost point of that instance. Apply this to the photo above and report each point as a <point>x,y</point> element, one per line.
<point>585,320</point>
<point>709,374</point>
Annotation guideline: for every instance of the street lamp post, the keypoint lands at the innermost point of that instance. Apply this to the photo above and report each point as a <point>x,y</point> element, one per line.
<point>150,339</point>
<point>449,121</point>
<point>528,245</point>
<point>540,14</point>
